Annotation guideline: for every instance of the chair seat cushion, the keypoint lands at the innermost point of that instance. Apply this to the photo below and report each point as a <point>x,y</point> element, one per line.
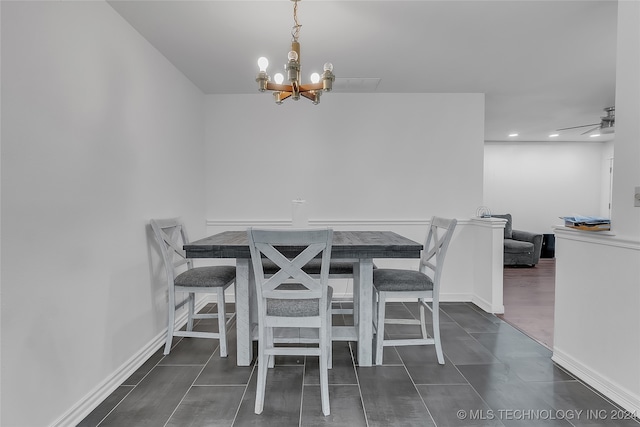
<point>312,267</point>
<point>398,280</point>
<point>517,246</point>
<point>214,276</point>
<point>295,307</point>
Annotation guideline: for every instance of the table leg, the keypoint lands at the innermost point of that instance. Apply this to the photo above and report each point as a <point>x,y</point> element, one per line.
<point>364,277</point>
<point>243,312</point>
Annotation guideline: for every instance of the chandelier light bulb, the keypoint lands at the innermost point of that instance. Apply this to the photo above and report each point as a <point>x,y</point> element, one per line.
<point>292,56</point>
<point>328,66</point>
<point>279,78</point>
<point>263,63</point>
<point>315,78</point>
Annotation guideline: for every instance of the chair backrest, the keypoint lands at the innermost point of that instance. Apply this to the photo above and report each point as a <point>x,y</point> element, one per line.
<point>171,235</point>
<point>435,249</point>
<point>290,250</point>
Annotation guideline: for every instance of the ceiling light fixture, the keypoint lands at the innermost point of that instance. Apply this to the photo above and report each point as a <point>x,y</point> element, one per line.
<point>594,135</point>
<point>294,88</point>
<point>553,135</point>
<point>513,134</point>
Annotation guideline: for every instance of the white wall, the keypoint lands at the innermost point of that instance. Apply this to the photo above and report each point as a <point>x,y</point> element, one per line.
<point>538,182</point>
<point>364,156</point>
<point>99,134</point>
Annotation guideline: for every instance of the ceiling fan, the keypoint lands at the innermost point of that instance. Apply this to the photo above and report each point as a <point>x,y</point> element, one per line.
<point>606,125</point>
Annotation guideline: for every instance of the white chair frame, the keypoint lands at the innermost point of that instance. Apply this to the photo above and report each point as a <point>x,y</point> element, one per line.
<point>309,243</point>
<point>431,264</point>
<point>171,235</point>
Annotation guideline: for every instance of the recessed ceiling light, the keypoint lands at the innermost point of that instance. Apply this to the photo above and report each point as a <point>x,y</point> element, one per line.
<point>553,135</point>
<point>513,134</point>
<point>594,135</point>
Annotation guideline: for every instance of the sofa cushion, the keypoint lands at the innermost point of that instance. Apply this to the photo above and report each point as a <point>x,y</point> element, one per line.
<point>517,247</point>
<point>508,228</point>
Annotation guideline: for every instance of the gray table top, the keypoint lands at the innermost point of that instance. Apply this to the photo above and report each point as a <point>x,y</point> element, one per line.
<point>346,245</point>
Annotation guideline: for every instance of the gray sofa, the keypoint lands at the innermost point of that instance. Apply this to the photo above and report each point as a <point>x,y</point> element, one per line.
<point>520,247</point>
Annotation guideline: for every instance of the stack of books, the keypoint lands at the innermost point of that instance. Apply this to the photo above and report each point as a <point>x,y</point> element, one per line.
<point>587,223</point>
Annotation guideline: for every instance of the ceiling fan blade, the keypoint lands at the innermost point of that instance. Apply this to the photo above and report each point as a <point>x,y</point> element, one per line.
<point>583,126</point>
<point>590,130</point>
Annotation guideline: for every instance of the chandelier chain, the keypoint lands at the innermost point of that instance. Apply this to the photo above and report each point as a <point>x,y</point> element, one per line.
<point>295,30</point>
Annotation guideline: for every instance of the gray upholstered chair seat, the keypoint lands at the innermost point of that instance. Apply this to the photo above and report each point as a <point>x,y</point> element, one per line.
<point>295,307</point>
<point>392,280</point>
<point>215,276</point>
<point>313,267</point>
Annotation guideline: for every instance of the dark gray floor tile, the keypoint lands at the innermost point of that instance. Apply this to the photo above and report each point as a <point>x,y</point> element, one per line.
<point>153,401</point>
<point>191,351</point>
<point>423,367</point>
<point>342,372</point>
<point>210,406</point>
<point>492,371</point>
<point>457,405</point>
<point>282,399</point>
<point>397,310</point>
<point>414,308</point>
<point>146,367</point>
<point>510,399</point>
<point>345,402</point>
<point>469,319</point>
<point>390,398</point>
<point>467,352</point>
<point>510,344</point>
<point>452,331</point>
<point>537,369</point>
<point>223,370</point>
<point>581,405</point>
<point>98,414</point>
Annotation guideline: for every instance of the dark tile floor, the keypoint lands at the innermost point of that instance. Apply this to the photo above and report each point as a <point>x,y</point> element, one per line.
<point>494,376</point>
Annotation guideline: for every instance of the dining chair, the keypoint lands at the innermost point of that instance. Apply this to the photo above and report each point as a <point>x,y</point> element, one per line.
<point>423,284</point>
<point>337,270</point>
<point>171,235</point>
<point>292,298</point>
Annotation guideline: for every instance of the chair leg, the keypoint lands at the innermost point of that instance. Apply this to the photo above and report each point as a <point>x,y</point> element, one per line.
<point>329,343</point>
<point>380,331</point>
<point>192,309</point>
<point>171,323</point>
<point>423,318</point>
<point>435,308</point>
<point>263,361</point>
<point>271,360</point>
<point>325,357</point>
<point>222,323</point>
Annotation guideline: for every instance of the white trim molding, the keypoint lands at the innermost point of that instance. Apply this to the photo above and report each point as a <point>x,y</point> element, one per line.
<point>606,238</point>
<point>620,396</point>
<point>232,223</point>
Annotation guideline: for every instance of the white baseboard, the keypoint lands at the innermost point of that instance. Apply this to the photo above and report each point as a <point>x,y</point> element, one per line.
<point>96,396</point>
<point>617,394</point>
<point>486,305</point>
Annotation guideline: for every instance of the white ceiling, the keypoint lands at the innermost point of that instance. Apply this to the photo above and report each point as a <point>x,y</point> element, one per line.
<point>543,65</point>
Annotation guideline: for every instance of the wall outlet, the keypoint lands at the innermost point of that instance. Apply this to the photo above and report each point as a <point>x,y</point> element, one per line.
<point>636,198</point>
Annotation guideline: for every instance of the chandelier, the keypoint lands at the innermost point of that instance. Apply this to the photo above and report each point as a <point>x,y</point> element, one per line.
<point>294,88</point>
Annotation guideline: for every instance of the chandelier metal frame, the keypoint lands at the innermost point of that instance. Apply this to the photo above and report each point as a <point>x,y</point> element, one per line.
<point>294,89</point>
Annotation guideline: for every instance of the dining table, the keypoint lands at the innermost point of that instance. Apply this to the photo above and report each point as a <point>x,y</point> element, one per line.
<point>359,247</point>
